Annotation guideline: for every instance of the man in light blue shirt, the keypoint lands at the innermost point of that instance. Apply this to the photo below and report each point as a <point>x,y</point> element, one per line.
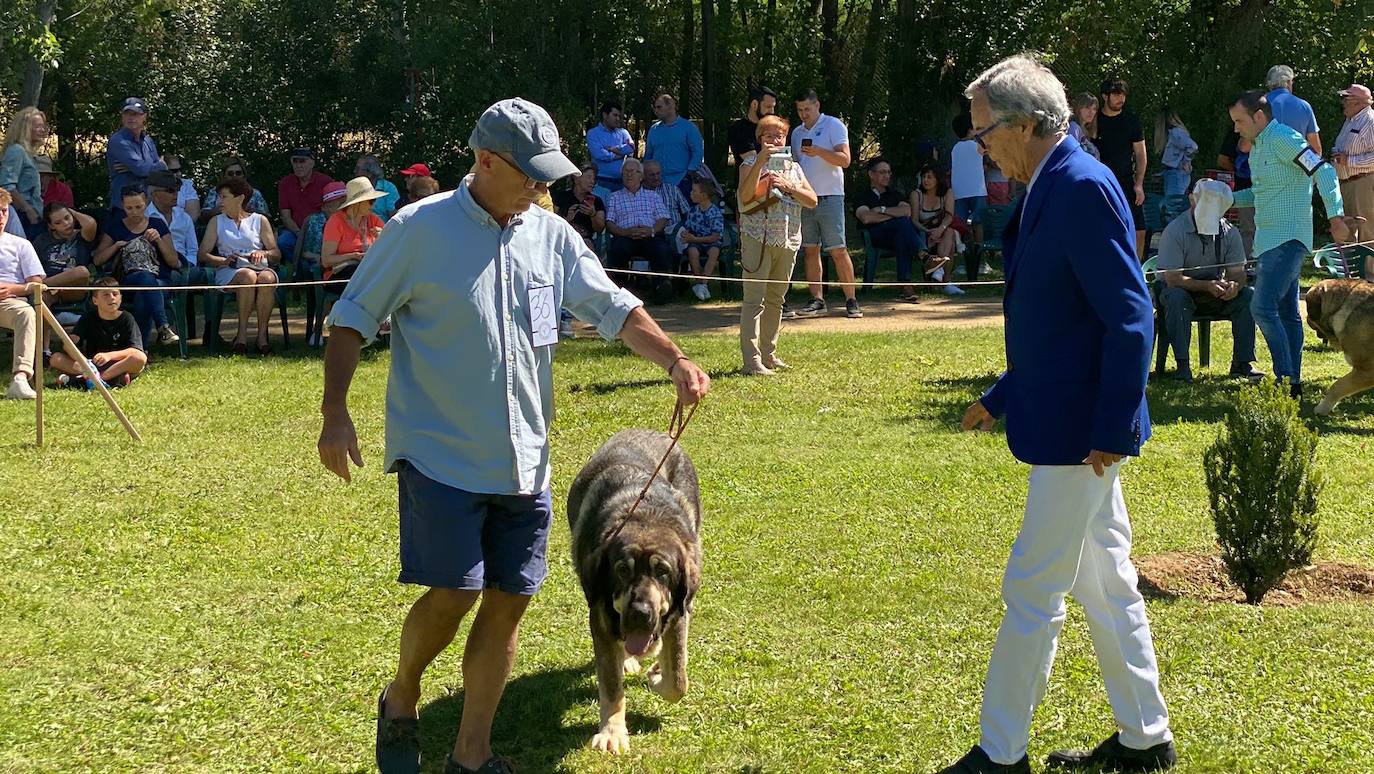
<point>609,145</point>
<point>473,281</point>
<point>1290,109</point>
<point>1283,169</point>
<point>675,143</point>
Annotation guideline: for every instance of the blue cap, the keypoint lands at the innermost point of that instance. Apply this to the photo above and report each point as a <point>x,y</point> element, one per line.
<point>527,133</point>
<point>135,104</point>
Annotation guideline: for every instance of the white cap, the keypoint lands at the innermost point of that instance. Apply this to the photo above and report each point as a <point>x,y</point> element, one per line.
<point>1213,199</point>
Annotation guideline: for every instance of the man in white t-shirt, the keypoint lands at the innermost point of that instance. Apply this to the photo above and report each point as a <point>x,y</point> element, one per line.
<point>820,143</point>
<point>967,181</point>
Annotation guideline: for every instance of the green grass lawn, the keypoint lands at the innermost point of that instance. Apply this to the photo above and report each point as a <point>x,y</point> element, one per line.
<point>213,600</point>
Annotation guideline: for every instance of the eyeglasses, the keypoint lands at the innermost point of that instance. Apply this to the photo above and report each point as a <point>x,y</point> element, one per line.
<point>233,172</point>
<point>174,170</point>
<point>978,138</point>
<point>530,183</point>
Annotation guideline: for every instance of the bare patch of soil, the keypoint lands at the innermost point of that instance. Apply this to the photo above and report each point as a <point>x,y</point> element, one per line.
<point>1203,577</point>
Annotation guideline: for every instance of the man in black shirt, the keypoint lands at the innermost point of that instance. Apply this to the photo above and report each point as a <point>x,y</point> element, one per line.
<point>1122,146</point>
<point>1235,158</point>
<point>763,101</point>
<point>885,214</point>
<point>109,338</point>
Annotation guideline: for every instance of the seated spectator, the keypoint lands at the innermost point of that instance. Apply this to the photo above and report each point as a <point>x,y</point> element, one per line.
<point>109,339</point>
<point>673,200</point>
<point>308,255</point>
<point>932,210</point>
<point>14,223</point>
<point>299,195</point>
<point>136,247</point>
<point>163,187</point>
<point>350,232</point>
<point>234,169</point>
<point>64,250</point>
<point>54,190</point>
<point>636,218</point>
<point>580,207</point>
<point>1083,125</point>
<point>242,249</point>
<point>885,214</point>
<point>371,168</point>
<point>999,187</point>
<point>19,269</point>
<point>411,174</point>
<point>422,187</point>
<point>704,232</point>
<point>24,139</point>
<point>1190,250</point>
<point>187,198</point>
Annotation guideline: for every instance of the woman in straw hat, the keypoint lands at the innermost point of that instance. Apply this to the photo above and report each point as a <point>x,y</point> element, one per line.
<point>350,231</point>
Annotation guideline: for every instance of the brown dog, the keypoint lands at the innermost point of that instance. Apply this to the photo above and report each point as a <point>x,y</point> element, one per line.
<point>1341,311</point>
<point>639,573</point>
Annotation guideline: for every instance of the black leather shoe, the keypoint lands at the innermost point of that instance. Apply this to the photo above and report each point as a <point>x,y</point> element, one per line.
<point>1247,371</point>
<point>978,762</point>
<point>398,742</point>
<point>1112,755</point>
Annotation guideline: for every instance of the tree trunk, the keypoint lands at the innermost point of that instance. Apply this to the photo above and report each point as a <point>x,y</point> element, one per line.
<point>858,119</point>
<point>684,80</point>
<point>708,70</point>
<point>830,50</point>
<point>769,23</point>
<point>33,69</point>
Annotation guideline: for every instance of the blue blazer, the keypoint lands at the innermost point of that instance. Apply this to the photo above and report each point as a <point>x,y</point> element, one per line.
<point>1079,320</point>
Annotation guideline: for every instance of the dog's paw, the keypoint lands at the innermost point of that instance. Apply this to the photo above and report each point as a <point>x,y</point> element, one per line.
<point>632,665</point>
<point>612,739</point>
<point>667,689</point>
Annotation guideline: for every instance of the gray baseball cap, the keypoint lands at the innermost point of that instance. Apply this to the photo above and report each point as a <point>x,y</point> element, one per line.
<point>525,132</point>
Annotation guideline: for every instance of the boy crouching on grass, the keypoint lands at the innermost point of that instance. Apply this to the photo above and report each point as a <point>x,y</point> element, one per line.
<point>109,338</point>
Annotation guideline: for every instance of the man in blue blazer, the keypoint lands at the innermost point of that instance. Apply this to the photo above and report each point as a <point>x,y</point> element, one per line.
<point>1079,327</point>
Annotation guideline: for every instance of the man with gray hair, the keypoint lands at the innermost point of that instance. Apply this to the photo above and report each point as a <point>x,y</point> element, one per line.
<point>473,280</point>
<point>370,167</point>
<point>1290,109</point>
<point>1079,328</point>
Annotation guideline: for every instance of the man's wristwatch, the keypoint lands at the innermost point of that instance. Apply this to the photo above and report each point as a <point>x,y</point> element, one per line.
<point>882,210</point>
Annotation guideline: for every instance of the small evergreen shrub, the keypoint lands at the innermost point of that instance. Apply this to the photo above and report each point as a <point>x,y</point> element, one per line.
<point>1263,483</point>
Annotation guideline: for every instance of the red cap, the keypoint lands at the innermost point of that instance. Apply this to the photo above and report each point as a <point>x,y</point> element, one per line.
<point>334,190</point>
<point>417,169</point>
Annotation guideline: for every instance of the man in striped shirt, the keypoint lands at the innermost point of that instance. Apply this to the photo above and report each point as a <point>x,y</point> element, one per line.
<point>1353,154</point>
<point>1283,167</point>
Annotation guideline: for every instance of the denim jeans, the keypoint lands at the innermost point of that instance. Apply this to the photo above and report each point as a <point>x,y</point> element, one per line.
<point>1275,307</point>
<point>901,237</point>
<point>150,311</point>
<point>1175,181</point>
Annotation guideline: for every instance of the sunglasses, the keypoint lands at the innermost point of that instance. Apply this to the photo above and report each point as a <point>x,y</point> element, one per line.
<point>530,183</point>
<point>174,170</point>
<point>978,138</point>
<point>233,172</point>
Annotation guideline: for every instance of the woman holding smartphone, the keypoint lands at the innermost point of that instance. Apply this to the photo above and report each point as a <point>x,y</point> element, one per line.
<point>772,193</point>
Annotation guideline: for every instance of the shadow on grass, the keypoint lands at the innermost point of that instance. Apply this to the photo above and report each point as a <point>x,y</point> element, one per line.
<point>529,724</point>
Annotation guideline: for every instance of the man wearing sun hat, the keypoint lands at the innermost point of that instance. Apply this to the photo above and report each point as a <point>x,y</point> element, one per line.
<point>1353,154</point>
<point>54,190</point>
<point>473,280</point>
<point>130,154</point>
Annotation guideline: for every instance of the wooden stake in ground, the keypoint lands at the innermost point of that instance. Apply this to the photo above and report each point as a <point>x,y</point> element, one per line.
<point>91,374</point>
<point>38,340</point>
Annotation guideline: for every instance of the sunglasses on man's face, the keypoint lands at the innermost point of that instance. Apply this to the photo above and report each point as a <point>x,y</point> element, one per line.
<point>234,172</point>
<point>174,170</point>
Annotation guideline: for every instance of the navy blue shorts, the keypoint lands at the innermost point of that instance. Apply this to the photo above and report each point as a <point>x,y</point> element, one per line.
<point>454,539</point>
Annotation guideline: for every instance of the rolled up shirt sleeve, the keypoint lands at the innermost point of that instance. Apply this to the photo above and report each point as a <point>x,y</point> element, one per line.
<point>381,284</point>
<point>590,295</point>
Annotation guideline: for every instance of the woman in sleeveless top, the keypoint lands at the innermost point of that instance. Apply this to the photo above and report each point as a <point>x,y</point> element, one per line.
<point>932,209</point>
<point>242,249</point>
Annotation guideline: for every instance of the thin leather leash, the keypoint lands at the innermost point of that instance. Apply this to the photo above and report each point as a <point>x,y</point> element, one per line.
<point>677,425</point>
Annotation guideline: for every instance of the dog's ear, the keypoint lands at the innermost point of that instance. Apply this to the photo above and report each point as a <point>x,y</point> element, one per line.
<point>595,574</point>
<point>687,581</point>
<point>1314,311</point>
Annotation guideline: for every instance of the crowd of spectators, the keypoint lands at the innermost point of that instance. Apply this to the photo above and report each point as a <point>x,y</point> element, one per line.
<point>653,206</point>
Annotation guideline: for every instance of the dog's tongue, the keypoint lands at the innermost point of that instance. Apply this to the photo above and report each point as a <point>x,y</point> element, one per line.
<point>637,644</point>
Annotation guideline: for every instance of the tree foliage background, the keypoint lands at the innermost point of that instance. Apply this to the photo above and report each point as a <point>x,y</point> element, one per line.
<point>407,78</point>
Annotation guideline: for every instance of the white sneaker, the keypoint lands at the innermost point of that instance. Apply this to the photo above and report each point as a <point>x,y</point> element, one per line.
<point>984,268</point>
<point>953,290</point>
<point>699,290</point>
<point>20,389</point>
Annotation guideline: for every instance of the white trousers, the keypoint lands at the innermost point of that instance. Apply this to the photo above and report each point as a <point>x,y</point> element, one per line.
<point>1075,537</point>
